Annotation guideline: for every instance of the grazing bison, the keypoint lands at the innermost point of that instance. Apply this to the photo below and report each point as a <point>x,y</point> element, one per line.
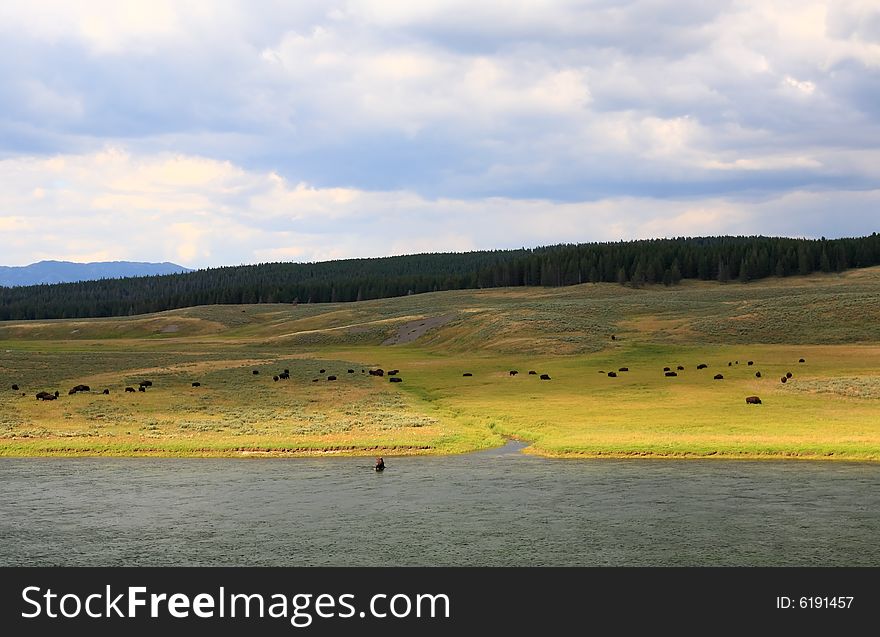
<point>788,374</point>
<point>395,379</point>
<point>321,371</point>
<point>196,384</point>
<point>142,388</point>
<point>801,360</point>
<point>79,388</point>
<point>275,378</point>
<point>718,377</point>
<point>394,372</point>
<point>784,379</point>
<point>680,368</point>
<point>612,375</point>
<point>377,372</point>
<point>545,376</point>
<point>284,375</point>
<point>665,369</point>
<point>331,378</point>
<point>106,392</point>
<point>44,395</point>
<point>532,372</point>
<point>129,389</point>
<point>757,374</point>
<point>671,374</point>
<point>146,383</point>
<point>380,465</point>
<point>351,371</point>
<point>15,388</point>
<point>315,380</point>
<point>623,369</point>
<point>702,366</point>
<point>513,372</point>
<point>753,400</point>
<point>467,374</point>
<point>255,372</point>
<point>751,362</point>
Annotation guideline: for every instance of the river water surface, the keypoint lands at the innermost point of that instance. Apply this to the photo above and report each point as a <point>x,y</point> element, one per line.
<point>496,508</point>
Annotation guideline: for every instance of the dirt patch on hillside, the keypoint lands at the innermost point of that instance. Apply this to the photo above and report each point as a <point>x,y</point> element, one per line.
<point>411,330</point>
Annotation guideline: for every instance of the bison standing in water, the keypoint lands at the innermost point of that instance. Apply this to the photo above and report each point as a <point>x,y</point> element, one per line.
<point>753,400</point>
<point>380,464</point>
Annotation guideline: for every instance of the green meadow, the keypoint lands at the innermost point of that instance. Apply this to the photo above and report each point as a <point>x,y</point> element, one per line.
<point>830,409</point>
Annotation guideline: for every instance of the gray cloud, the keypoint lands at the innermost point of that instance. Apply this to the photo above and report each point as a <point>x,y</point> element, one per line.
<point>576,105</point>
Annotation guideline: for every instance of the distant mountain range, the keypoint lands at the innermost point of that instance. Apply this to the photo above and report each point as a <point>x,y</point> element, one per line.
<point>68,272</point>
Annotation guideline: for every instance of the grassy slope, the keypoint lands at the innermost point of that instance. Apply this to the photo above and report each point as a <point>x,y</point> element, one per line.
<point>831,409</point>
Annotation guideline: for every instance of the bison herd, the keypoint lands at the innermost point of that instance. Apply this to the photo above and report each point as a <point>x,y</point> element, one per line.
<point>394,378</point>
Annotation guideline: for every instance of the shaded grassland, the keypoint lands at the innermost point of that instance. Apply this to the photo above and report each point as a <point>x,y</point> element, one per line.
<point>829,409</point>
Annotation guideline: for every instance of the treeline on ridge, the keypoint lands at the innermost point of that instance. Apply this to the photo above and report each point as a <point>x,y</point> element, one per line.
<point>636,263</point>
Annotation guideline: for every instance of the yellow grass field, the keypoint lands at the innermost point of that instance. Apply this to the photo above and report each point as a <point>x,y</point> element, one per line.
<point>830,409</point>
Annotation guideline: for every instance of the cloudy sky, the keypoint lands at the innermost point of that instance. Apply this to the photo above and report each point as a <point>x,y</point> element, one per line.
<point>218,133</point>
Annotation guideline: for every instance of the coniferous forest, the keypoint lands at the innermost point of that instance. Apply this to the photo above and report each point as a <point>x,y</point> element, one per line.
<point>636,263</point>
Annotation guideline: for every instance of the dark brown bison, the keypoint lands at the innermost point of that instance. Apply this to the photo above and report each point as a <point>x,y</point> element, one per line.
<point>680,368</point>
<point>377,372</point>
<point>44,395</point>
<point>142,388</point>
<point>106,392</point>
<point>666,369</point>
<point>784,379</point>
<point>702,366</point>
<point>78,388</point>
<point>15,388</point>
<point>394,372</point>
<point>196,384</point>
<point>255,372</point>
<point>146,383</point>
<point>321,371</point>
<point>718,377</point>
<point>286,371</point>
<point>315,380</point>
<point>532,372</point>
<point>757,374</point>
<point>801,360</point>
<point>623,369</point>
<point>788,374</point>
<point>613,337</point>
<point>753,400</point>
<point>467,374</point>
<point>545,376</point>
<point>671,374</point>
<point>751,362</point>
<point>513,372</point>
<point>284,375</point>
<point>351,371</point>
<point>275,378</point>
<point>395,379</point>
<point>380,465</point>
<point>331,378</point>
<point>612,374</point>
<point>729,364</point>
<point>129,389</point>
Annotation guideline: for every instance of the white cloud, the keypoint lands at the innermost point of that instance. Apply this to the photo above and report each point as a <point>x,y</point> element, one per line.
<point>234,131</point>
<point>116,205</point>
